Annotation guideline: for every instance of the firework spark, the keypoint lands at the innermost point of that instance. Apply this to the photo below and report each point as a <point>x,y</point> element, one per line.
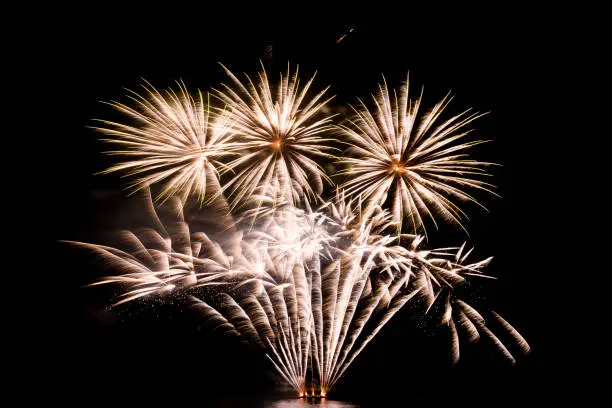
<point>176,141</point>
<point>419,161</point>
<point>278,134</point>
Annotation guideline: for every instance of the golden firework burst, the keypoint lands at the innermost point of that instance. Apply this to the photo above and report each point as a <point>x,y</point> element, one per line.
<point>279,131</point>
<point>176,141</point>
<point>417,161</point>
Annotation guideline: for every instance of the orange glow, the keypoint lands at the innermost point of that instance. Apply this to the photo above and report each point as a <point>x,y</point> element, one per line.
<point>398,167</point>
<point>276,145</point>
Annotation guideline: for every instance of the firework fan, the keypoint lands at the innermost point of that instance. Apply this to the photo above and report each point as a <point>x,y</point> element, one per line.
<point>311,282</point>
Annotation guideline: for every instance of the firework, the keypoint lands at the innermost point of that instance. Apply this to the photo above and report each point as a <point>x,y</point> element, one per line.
<point>415,160</point>
<point>311,281</point>
<point>176,140</point>
<point>312,287</point>
<point>279,133</point>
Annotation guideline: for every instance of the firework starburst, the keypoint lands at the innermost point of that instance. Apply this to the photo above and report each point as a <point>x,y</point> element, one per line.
<point>175,141</point>
<point>415,160</point>
<point>279,132</point>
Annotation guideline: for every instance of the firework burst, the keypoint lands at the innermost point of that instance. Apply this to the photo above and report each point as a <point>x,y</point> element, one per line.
<point>311,284</point>
<point>176,141</point>
<point>417,161</point>
<point>279,133</point>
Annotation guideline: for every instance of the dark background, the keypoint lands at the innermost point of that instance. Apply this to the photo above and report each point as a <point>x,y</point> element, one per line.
<point>493,60</point>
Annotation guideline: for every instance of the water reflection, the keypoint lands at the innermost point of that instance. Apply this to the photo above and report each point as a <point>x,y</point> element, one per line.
<point>278,402</point>
<point>304,403</point>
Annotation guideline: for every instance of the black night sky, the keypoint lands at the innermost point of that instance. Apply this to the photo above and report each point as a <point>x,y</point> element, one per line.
<point>491,60</point>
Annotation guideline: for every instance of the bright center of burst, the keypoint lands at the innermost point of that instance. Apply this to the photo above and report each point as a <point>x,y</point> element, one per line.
<point>397,168</point>
<point>276,145</point>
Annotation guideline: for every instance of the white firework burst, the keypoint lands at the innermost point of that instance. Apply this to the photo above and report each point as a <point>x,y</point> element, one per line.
<point>176,141</point>
<point>279,132</point>
<point>415,160</point>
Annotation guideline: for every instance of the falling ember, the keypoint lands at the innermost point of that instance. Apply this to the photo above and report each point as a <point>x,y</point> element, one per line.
<point>339,40</point>
<point>310,281</point>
